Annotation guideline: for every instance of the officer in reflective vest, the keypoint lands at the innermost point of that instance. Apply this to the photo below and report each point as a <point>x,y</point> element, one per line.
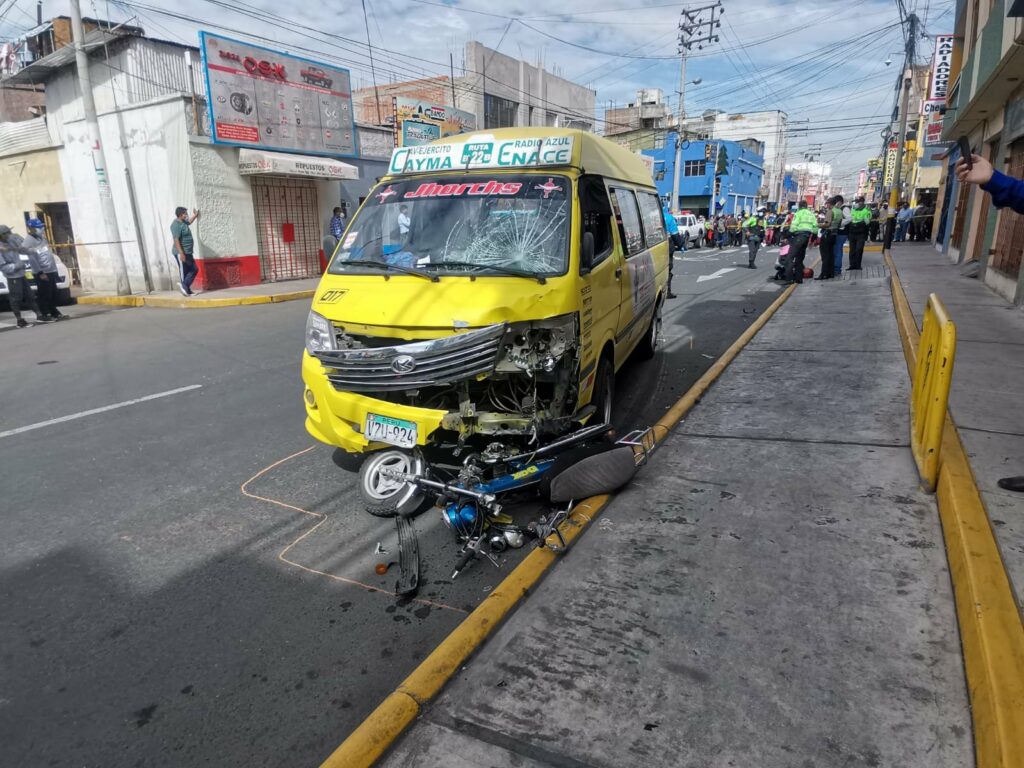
<point>860,223</point>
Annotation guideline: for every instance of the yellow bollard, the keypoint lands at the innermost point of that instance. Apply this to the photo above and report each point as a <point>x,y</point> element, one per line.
<point>929,395</point>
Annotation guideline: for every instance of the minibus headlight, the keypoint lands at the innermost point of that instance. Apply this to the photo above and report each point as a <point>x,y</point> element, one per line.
<point>319,334</point>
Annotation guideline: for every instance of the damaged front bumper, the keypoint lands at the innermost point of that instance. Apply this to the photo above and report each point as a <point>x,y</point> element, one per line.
<point>504,379</point>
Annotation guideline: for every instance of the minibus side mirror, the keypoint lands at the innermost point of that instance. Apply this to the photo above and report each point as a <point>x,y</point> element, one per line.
<point>587,253</point>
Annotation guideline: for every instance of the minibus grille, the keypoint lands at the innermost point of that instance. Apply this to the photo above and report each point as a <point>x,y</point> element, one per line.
<point>415,365</point>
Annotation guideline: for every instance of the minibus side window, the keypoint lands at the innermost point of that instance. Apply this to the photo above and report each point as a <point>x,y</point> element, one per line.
<point>629,221</point>
<point>654,221</point>
<point>596,215</point>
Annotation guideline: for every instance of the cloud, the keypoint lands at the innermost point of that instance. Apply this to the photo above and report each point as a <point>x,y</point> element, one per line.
<point>819,62</point>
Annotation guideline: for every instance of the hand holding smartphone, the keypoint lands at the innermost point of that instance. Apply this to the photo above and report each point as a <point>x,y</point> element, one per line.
<point>965,152</point>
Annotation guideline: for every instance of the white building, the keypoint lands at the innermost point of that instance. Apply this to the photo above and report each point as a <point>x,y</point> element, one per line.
<point>260,220</point>
<point>767,127</point>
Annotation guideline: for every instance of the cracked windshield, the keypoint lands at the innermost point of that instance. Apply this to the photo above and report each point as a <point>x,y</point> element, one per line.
<point>462,225</point>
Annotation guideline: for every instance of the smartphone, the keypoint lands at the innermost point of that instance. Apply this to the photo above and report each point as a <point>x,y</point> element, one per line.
<point>965,152</point>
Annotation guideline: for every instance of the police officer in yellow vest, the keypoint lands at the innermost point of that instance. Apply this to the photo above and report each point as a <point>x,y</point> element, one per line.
<point>753,228</point>
<point>860,223</point>
<point>804,225</point>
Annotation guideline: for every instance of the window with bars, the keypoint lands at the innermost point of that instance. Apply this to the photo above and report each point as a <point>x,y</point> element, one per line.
<point>1009,241</point>
<point>695,168</point>
<point>499,112</point>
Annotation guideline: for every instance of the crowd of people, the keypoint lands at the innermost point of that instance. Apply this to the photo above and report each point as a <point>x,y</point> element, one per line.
<point>830,229</point>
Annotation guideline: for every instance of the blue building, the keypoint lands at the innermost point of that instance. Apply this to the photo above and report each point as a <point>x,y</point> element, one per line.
<point>736,188</point>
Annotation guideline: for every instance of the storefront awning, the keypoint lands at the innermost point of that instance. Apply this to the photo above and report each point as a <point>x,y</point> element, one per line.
<point>253,162</point>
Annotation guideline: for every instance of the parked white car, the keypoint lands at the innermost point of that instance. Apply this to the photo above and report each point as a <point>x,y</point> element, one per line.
<point>689,228</point>
<point>63,282</point>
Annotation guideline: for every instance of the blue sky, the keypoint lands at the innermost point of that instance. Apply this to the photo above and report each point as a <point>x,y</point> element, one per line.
<point>823,62</point>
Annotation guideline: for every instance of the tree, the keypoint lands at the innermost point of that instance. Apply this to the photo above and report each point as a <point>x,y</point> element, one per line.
<point>722,165</point>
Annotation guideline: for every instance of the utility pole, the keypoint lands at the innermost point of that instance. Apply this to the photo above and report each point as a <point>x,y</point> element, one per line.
<point>896,190</point>
<point>108,214</point>
<point>693,30</point>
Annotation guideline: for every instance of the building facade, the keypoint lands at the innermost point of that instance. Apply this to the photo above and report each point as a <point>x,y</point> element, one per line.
<point>770,128</point>
<point>264,214</point>
<point>649,112</point>
<point>717,176</point>
<point>985,103</point>
<point>499,90</point>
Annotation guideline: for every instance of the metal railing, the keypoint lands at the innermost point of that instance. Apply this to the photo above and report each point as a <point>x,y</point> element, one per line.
<point>929,394</point>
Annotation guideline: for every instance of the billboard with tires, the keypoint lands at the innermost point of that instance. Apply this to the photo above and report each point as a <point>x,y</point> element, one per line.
<point>258,97</point>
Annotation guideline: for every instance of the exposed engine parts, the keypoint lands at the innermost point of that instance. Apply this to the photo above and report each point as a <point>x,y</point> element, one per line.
<point>505,379</point>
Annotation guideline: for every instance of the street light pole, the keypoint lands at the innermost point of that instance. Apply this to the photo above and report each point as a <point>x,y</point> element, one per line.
<point>691,32</point>
<point>108,213</point>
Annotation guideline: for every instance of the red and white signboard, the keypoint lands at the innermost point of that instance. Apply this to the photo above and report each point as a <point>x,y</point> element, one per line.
<point>942,65</point>
<point>268,99</point>
<point>932,109</point>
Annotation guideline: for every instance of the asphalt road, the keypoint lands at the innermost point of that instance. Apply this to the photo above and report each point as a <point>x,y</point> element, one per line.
<point>187,579</point>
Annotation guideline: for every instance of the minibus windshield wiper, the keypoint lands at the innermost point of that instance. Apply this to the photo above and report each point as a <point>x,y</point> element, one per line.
<point>510,271</point>
<point>387,267</point>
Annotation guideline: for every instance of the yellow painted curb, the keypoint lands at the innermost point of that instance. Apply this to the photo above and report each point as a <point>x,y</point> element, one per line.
<point>203,302</point>
<point>383,726</point>
<point>292,296</point>
<point>166,302</point>
<point>991,632</point>
<point>111,301</point>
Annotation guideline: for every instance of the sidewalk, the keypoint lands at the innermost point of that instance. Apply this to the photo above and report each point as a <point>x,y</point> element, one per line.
<point>771,590</point>
<point>986,395</point>
<point>264,293</point>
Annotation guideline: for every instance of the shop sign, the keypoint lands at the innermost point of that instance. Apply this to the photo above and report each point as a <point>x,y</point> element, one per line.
<point>890,164</point>
<point>253,162</point>
<point>932,111</point>
<point>942,66</point>
<point>481,153</point>
<point>264,98</point>
<point>419,122</point>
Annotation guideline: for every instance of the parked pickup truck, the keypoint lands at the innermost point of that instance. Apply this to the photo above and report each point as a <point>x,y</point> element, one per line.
<point>690,229</point>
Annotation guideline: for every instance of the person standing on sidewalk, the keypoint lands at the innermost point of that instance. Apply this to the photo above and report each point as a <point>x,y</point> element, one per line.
<point>337,224</point>
<point>903,221</point>
<point>46,277</point>
<point>181,233</point>
<point>753,228</point>
<point>841,234</point>
<point>19,291</point>
<point>804,224</point>
<point>860,222</point>
<point>1006,192</point>
<point>874,227</point>
<point>829,230</point>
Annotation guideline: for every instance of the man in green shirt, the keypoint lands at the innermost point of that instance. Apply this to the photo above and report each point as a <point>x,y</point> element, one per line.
<point>804,224</point>
<point>181,234</point>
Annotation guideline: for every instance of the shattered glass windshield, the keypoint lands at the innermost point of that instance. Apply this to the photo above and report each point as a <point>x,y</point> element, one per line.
<point>462,225</point>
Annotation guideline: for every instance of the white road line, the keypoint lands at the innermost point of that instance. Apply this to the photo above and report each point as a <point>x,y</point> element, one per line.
<point>94,411</point>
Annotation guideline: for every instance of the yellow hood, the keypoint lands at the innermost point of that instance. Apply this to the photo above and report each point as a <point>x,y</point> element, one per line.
<point>372,305</point>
